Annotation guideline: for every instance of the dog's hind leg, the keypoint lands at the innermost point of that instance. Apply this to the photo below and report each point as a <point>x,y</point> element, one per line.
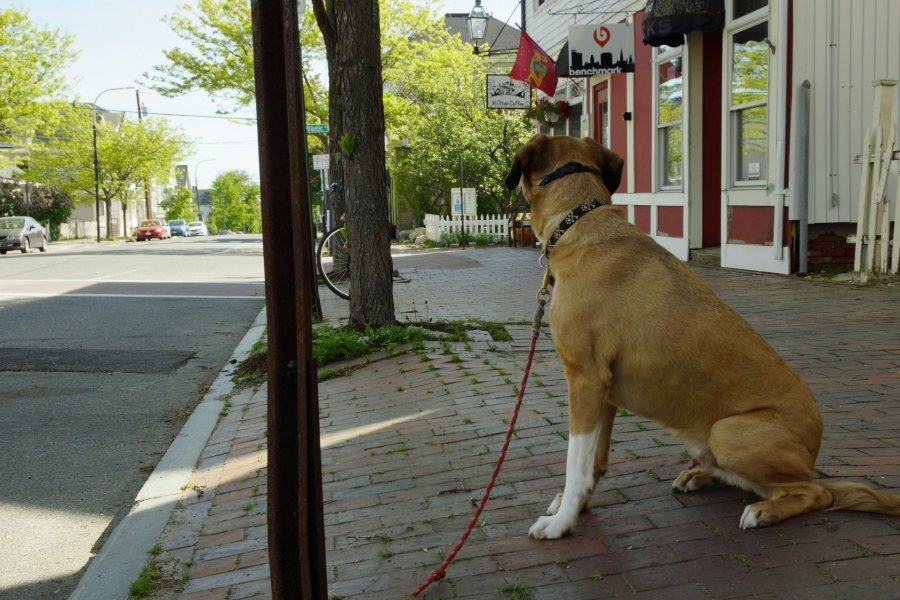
<point>783,501</point>
<point>761,451</point>
<point>586,405</point>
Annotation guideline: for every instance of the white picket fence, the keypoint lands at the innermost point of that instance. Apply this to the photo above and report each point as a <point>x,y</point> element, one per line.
<point>77,229</point>
<point>495,225</point>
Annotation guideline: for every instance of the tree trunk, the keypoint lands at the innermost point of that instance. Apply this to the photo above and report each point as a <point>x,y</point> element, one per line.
<point>365,191</point>
<point>325,19</point>
<point>108,203</point>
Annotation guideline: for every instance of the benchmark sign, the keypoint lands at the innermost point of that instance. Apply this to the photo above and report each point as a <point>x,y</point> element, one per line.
<point>317,128</point>
<point>601,49</point>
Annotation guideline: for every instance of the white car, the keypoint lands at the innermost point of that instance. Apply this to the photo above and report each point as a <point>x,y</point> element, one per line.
<point>197,228</point>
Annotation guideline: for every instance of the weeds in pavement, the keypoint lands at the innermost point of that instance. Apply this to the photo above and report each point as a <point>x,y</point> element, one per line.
<point>144,584</point>
<point>516,591</point>
<point>147,581</point>
<point>326,374</point>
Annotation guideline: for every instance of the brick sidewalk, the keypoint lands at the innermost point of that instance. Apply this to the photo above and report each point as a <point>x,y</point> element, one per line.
<point>409,443</point>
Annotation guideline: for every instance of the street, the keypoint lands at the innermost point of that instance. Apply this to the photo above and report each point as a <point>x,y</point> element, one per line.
<point>105,350</point>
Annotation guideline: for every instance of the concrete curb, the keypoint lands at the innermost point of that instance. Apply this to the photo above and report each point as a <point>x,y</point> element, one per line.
<point>123,556</point>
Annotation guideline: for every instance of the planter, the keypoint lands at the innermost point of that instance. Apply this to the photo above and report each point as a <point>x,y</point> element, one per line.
<point>548,112</point>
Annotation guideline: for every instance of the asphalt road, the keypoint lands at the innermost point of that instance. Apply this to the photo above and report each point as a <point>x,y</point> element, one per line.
<point>104,351</point>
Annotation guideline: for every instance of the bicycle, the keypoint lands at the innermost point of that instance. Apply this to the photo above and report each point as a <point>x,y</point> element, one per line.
<point>336,276</point>
<point>335,245</point>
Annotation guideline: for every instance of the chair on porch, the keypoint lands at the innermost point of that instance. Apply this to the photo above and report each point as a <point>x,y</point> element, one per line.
<point>519,227</point>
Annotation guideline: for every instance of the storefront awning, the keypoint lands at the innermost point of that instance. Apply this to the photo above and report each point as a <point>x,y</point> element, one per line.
<point>562,62</point>
<point>666,22</point>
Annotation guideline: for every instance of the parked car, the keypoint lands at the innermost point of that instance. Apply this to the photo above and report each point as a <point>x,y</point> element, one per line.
<point>152,228</point>
<point>179,227</point>
<point>197,228</point>
<point>23,234</point>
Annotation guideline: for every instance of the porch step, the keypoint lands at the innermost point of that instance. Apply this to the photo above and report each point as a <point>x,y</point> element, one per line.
<point>708,257</point>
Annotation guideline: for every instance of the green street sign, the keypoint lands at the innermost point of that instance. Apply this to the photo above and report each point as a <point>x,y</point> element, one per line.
<point>317,128</point>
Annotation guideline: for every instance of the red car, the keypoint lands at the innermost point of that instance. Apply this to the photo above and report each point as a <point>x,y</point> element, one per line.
<point>152,228</point>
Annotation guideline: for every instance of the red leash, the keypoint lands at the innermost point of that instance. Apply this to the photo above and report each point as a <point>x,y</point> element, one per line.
<point>440,572</point>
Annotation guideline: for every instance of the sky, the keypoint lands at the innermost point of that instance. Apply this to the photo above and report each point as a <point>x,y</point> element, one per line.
<point>118,41</point>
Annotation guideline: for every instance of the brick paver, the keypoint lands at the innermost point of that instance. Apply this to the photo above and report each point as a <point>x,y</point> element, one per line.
<point>409,443</point>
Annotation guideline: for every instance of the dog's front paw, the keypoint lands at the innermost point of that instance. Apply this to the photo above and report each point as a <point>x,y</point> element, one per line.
<point>549,528</point>
<point>692,480</point>
<point>554,506</point>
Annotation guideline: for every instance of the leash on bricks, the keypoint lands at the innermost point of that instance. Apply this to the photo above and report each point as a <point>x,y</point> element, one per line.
<point>439,573</point>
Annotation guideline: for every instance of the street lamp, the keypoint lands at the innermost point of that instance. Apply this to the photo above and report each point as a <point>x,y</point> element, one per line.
<point>478,21</point>
<point>96,159</point>
<point>197,184</point>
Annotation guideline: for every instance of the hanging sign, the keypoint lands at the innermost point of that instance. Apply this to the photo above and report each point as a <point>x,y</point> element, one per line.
<point>503,92</point>
<point>601,49</point>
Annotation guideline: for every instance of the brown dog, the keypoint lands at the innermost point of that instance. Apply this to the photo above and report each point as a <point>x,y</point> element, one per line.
<point>636,328</point>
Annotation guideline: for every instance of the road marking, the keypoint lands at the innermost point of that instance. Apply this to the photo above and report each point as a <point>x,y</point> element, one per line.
<point>229,281</point>
<point>76,295</point>
<point>104,277</point>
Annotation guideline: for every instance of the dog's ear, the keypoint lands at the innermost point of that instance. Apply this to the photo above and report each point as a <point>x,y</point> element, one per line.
<point>523,159</point>
<point>608,163</point>
<point>514,175</point>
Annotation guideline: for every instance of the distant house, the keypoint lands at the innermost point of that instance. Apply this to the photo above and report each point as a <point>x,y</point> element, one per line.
<point>205,204</point>
<point>9,153</point>
<point>182,176</point>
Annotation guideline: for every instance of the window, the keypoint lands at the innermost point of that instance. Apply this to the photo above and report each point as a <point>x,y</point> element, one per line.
<point>575,120</point>
<point>669,120</point>
<point>745,7</point>
<point>749,109</point>
<point>559,128</point>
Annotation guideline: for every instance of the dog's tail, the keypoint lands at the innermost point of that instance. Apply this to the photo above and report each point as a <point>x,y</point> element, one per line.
<point>856,496</point>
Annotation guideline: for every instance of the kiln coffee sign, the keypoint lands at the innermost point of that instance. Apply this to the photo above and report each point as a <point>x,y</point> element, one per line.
<point>503,92</point>
<point>601,49</point>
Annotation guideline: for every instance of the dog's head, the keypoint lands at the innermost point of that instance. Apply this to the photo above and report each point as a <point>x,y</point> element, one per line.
<point>544,154</point>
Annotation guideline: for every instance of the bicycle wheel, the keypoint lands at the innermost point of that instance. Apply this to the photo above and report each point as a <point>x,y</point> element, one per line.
<point>333,261</point>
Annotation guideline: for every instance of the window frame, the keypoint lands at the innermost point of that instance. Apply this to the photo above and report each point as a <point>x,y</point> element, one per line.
<point>661,56</point>
<point>731,111</point>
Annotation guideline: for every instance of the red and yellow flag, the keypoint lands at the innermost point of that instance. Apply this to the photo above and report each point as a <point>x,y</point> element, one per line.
<point>534,66</point>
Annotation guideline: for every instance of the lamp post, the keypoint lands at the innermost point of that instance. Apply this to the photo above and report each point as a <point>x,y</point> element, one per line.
<point>96,159</point>
<point>197,184</point>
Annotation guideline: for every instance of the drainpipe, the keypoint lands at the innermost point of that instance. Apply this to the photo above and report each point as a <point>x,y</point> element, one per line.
<point>800,178</point>
<point>781,120</point>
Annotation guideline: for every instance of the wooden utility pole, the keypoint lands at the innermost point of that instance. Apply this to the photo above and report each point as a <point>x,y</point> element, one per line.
<point>295,515</point>
<point>148,205</point>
